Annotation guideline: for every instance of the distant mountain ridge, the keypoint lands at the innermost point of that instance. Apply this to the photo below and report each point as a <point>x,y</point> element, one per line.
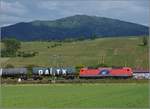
<point>73,27</point>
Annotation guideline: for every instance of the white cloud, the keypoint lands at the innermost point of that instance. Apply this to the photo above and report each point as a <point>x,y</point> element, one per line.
<point>13,8</point>
<point>8,20</point>
<point>12,12</point>
<point>50,5</point>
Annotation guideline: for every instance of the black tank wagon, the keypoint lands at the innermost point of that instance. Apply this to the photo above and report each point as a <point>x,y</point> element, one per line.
<point>14,72</point>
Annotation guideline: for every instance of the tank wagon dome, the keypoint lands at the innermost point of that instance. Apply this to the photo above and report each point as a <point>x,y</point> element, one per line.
<point>14,71</point>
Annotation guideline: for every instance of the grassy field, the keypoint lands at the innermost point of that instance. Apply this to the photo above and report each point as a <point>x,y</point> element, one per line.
<point>75,96</point>
<point>110,51</point>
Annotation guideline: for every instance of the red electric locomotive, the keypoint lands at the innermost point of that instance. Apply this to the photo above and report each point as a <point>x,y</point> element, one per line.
<point>122,72</point>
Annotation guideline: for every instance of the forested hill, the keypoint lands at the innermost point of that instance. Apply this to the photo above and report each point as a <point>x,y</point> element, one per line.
<point>73,27</point>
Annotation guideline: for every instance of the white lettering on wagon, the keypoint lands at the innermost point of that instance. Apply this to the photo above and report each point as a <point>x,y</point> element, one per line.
<point>46,72</point>
<point>64,71</point>
<point>58,71</point>
<point>40,72</point>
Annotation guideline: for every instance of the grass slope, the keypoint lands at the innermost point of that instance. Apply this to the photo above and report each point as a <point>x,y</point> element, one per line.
<point>78,96</point>
<point>111,51</point>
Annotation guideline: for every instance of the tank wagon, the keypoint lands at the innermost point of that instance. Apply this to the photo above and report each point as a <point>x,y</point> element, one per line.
<point>122,72</point>
<point>14,72</point>
<point>141,74</point>
<point>66,72</point>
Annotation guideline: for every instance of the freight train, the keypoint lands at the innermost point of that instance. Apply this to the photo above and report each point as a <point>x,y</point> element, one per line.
<point>69,72</point>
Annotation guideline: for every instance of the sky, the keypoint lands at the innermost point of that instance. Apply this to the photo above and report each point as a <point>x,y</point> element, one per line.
<point>14,11</point>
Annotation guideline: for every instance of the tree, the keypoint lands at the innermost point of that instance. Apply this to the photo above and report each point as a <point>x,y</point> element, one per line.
<point>29,67</point>
<point>145,40</point>
<point>93,37</point>
<point>11,46</point>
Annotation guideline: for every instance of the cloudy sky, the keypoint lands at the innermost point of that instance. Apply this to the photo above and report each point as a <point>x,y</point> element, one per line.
<point>14,11</point>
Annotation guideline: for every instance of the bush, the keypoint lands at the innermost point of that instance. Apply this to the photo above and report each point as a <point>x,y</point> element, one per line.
<point>9,66</point>
<point>6,53</point>
<point>78,67</point>
<point>29,67</point>
<point>145,40</point>
<point>56,44</point>
<point>26,54</point>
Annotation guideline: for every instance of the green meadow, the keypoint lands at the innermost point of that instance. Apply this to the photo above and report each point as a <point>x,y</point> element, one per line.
<point>110,51</point>
<point>119,95</point>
